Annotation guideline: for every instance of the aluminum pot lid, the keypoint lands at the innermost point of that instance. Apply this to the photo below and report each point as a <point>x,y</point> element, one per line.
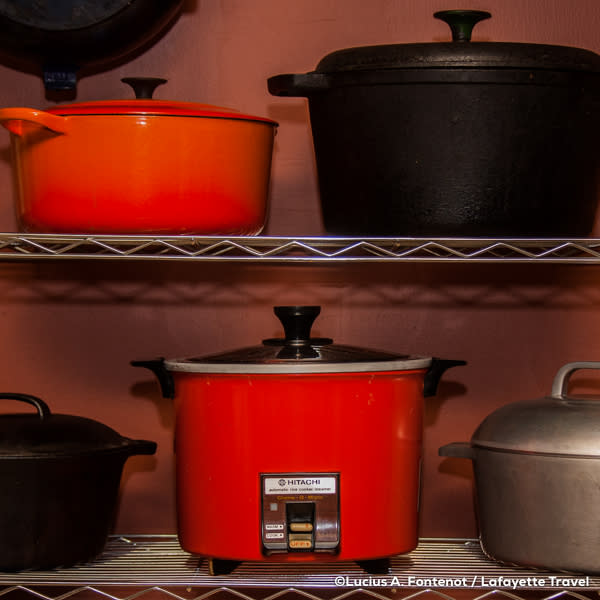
<point>43,434</point>
<point>144,104</point>
<point>558,424</point>
<point>460,52</point>
<point>298,352</point>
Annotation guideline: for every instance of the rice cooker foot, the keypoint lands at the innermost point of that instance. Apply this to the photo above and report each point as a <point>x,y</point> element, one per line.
<point>218,566</point>
<point>376,566</point>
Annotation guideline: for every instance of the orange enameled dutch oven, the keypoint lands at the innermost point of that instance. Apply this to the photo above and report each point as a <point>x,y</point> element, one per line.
<point>140,166</point>
<point>298,449</point>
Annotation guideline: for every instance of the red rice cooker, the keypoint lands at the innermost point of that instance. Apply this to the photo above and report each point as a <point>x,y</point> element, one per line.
<point>298,449</point>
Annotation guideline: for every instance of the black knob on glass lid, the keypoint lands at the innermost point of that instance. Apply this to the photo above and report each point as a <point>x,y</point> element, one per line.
<point>297,322</point>
<point>461,22</point>
<point>143,86</point>
<point>296,352</point>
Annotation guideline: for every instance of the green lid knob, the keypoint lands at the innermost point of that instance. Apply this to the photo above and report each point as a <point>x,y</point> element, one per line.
<point>461,22</point>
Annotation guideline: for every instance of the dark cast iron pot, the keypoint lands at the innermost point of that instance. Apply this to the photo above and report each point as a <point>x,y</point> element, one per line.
<point>60,477</point>
<point>455,139</point>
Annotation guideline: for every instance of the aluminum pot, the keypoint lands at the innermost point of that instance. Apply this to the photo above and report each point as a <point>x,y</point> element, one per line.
<point>537,479</point>
<point>140,166</point>
<point>456,138</point>
<point>60,477</point>
<point>298,449</point>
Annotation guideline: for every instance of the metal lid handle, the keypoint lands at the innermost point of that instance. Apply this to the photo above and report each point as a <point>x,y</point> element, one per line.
<point>461,22</point>
<point>560,384</point>
<point>42,408</point>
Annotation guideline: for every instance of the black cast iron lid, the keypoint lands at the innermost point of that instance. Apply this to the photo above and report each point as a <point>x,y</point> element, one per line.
<point>298,352</point>
<point>461,52</point>
<point>43,434</point>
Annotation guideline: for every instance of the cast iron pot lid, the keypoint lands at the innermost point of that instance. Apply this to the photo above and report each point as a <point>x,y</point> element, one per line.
<point>558,424</point>
<point>43,434</point>
<point>144,104</point>
<point>461,52</point>
<point>298,352</point>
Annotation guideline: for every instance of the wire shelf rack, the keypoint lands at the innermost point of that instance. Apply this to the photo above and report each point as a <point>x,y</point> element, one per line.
<point>132,566</point>
<point>15,246</point>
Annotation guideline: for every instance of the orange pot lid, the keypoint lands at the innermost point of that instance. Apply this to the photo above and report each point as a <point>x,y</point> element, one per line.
<point>144,104</point>
<point>153,107</point>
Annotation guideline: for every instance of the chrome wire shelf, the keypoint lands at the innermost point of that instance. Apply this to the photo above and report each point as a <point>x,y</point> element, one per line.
<point>151,563</point>
<point>298,250</point>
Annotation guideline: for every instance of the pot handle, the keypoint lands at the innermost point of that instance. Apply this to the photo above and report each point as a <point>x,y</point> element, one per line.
<point>457,450</point>
<point>165,379</point>
<point>301,84</point>
<point>136,447</point>
<point>560,384</point>
<point>15,120</point>
<point>42,408</point>
<point>434,374</point>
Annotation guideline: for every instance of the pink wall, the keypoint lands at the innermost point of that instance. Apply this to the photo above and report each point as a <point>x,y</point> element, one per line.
<point>70,329</point>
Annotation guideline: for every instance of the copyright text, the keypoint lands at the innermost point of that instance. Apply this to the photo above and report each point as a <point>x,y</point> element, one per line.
<point>476,581</point>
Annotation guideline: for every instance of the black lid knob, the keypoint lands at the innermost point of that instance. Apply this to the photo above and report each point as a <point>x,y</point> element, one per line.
<point>461,22</point>
<point>143,86</point>
<point>297,322</point>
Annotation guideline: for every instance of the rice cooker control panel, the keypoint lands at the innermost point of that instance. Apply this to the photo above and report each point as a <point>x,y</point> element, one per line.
<point>300,512</point>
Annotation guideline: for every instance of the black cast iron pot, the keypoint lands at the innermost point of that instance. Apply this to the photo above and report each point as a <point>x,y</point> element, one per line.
<point>455,139</point>
<point>60,477</point>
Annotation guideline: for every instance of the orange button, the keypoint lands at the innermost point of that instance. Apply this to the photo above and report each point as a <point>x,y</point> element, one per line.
<point>301,526</point>
<point>301,544</point>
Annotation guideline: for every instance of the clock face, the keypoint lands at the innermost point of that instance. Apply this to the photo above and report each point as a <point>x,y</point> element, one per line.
<point>59,15</point>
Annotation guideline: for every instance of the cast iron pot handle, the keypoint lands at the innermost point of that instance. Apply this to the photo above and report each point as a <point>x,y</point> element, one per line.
<point>434,374</point>
<point>457,450</point>
<point>137,447</point>
<point>165,379</point>
<point>300,84</point>
<point>15,119</point>
<point>42,407</point>
<point>560,384</point>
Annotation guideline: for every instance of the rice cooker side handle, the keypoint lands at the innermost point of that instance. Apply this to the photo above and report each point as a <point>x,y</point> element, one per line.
<point>165,379</point>
<point>437,368</point>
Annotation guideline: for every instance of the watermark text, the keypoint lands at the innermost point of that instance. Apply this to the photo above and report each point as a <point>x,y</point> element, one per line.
<point>475,581</point>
